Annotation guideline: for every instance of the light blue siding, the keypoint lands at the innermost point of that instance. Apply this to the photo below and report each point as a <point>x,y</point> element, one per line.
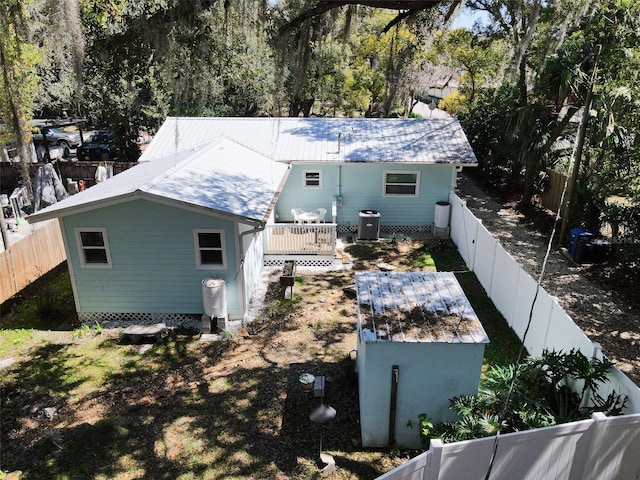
<point>294,195</point>
<point>153,260</point>
<point>361,188</point>
<point>430,374</point>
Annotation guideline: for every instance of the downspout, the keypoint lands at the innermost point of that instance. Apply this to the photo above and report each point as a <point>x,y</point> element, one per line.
<point>257,229</point>
<point>395,373</point>
<point>245,302</point>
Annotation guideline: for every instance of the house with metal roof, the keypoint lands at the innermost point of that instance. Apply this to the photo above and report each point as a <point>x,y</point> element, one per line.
<point>223,196</point>
<point>398,167</point>
<point>140,245</point>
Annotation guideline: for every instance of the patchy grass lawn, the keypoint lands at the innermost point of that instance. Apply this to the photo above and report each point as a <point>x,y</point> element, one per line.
<point>186,409</point>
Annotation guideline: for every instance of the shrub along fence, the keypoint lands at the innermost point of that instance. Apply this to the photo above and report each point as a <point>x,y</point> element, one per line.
<point>30,258</point>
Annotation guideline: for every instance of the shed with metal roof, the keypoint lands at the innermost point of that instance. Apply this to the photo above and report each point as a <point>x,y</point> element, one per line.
<point>419,344</point>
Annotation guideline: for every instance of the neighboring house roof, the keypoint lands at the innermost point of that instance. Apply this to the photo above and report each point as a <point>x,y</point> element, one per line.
<point>220,176</point>
<point>381,140</point>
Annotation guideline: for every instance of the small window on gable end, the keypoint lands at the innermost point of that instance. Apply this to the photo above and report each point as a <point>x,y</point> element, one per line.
<point>312,179</point>
<point>401,184</point>
<point>210,249</point>
<point>93,247</point>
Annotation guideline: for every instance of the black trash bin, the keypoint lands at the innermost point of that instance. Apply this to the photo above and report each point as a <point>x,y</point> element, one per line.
<point>369,225</point>
<point>582,250</point>
<point>599,250</point>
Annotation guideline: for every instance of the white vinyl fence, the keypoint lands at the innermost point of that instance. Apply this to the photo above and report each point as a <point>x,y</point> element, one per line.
<point>602,448</point>
<point>512,290</point>
<point>597,449</point>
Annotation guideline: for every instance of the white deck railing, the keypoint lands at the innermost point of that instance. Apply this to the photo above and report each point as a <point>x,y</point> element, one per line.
<point>300,239</point>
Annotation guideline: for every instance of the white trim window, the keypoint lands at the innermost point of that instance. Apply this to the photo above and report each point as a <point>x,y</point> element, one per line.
<point>93,247</point>
<point>401,184</point>
<point>210,249</point>
<point>311,179</point>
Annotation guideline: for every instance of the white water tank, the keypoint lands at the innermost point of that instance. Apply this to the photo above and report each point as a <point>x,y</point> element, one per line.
<point>441,215</point>
<point>214,297</point>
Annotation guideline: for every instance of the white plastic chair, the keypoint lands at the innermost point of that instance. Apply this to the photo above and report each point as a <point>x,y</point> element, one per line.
<point>296,212</point>
<point>321,213</point>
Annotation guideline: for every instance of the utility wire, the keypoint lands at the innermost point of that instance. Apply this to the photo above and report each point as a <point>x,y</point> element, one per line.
<point>576,153</point>
<point>514,375</point>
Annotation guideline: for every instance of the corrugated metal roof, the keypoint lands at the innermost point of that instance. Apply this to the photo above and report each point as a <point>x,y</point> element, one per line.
<point>381,140</point>
<point>221,175</point>
<point>415,307</point>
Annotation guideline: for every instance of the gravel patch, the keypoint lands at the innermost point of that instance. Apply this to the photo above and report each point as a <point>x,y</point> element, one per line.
<point>603,314</point>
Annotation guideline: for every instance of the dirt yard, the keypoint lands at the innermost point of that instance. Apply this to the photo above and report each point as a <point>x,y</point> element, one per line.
<point>605,306</point>
<point>86,404</point>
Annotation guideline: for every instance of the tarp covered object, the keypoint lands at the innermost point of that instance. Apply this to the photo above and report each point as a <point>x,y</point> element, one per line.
<point>47,188</point>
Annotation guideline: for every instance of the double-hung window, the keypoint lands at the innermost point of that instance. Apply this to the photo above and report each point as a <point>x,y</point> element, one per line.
<point>210,249</point>
<point>93,247</point>
<point>401,184</point>
<point>312,179</point>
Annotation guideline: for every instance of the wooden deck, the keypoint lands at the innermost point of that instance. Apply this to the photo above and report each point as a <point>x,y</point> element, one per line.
<point>297,239</point>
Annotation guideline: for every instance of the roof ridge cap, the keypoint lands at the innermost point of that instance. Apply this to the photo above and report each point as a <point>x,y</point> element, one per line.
<point>198,151</point>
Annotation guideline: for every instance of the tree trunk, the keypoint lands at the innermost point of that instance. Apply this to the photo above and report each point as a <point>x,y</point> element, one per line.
<point>15,123</point>
<point>298,106</point>
<point>530,172</point>
<point>532,160</point>
<point>577,152</point>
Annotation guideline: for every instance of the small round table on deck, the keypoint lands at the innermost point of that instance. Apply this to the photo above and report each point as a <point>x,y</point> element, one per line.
<point>309,217</point>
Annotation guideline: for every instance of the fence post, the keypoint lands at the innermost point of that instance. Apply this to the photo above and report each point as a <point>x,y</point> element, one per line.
<point>9,254</point>
<point>593,469</point>
<point>432,472</point>
<point>597,351</point>
<point>597,355</point>
<point>554,304</point>
<point>464,247</point>
<point>470,247</point>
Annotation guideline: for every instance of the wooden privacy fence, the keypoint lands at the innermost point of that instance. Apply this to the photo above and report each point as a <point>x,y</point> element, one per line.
<point>10,172</point>
<point>553,191</point>
<point>30,258</point>
<point>597,449</point>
